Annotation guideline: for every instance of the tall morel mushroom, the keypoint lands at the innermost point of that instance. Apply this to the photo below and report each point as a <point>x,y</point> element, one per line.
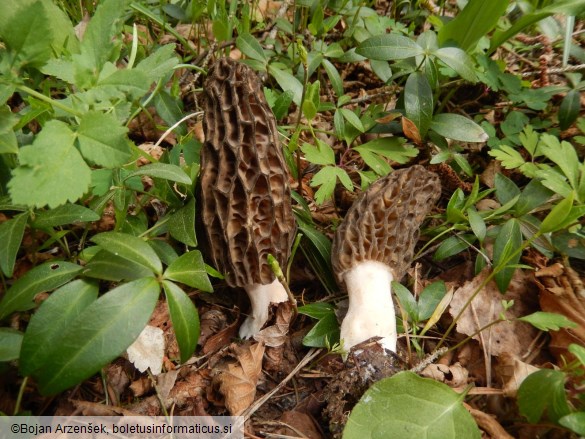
<point>246,204</point>
<point>374,245</point>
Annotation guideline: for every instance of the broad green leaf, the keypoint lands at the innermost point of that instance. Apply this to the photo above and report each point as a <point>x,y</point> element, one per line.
<point>282,104</point>
<point>189,269</point>
<point>107,266</point>
<point>506,189</point>
<point>45,277</point>
<point>575,422</point>
<point>47,325</point>
<point>407,301</point>
<point>507,253</point>
<point>407,406</point>
<point>168,108</point>
<point>553,221</point>
<point>382,69</point>
<point>533,196</point>
<point>457,127</point>
<point>51,170</point>
<point>99,334</point>
<point>418,101</point>
<point>569,109</point>
<point>325,333</point>
<point>251,47</point>
<point>475,21</point>
<point>164,171</point>
<point>129,247</point>
<point>135,83</point>
<point>334,77</point>
<point>317,310</point>
<point>377,163</point>
<point>477,224</point>
<point>11,233</point>
<point>548,321</point>
<point>353,119</point>
<point>452,246</point>
<point>578,351</point>
<point>543,390</point>
<point>66,214</point>
<point>389,47</point>
<point>429,299</point>
<point>459,61</point>
<point>321,154</point>
<point>10,344</point>
<point>287,82</point>
<point>164,250</point>
<point>8,142</point>
<point>182,224</point>
<point>184,317</point>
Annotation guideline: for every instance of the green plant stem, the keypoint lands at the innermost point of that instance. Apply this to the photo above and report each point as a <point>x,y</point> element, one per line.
<point>462,342</point>
<point>19,397</point>
<point>48,100</point>
<point>298,152</point>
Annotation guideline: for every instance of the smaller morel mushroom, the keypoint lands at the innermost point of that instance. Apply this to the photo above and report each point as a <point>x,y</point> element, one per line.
<point>374,245</point>
<point>245,196</point>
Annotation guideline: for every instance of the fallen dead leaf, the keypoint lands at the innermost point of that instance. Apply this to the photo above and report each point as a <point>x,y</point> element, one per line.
<point>299,424</point>
<point>237,382</point>
<point>512,371</point>
<point>275,335</point>
<point>148,350</point>
<point>454,375</point>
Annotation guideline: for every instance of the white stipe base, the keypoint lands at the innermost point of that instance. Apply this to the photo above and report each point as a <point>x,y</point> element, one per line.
<point>371,310</point>
<point>261,296</point>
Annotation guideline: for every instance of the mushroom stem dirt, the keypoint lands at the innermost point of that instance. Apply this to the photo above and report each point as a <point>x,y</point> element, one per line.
<point>261,296</point>
<point>371,310</point>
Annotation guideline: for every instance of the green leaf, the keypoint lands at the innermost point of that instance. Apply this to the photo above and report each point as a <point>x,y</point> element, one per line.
<point>10,344</point>
<point>129,247</point>
<point>282,104</point>
<point>100,333</point>
<point>189,269</point>
<point>418,101</point>
<point>569,109</point>
<point>66,214</point>
<point>182,224</point>
<point>389,47</point>
<point>326,331</point>
<point>162,170</point>
<point>543,390</point>
<point>47,325</point>
<point>311,102</point>
<point>287,82</point>
<point>548,321</point>
<point>251,47</point>
<point>159,63</point>
<point>381,69</point>
<point>459,61</point>
<point>508,156</point>
<point>429,299</point>
<point>184,317</point>
<point>102,140</point>
<point>407,301</point>
<point>51,170</point>
<point>507,253</point>
<point>475,21</point>
<point>452,246</point>
<point>578,351</point>
<point>44,277</point>
<point>353,119</point>
<point>456,127</point>
<point>321,154</point>
<point>11,233</point>
<point>574,422</point>
<point>555,218</point>
<point>107,266</point>
<point>392,148</point>
<point>533,196</point>
<point>407,406</point>
<point>334,77</point>
<point>506,189</point>
<point>326,179</point>
<point>563,154</point>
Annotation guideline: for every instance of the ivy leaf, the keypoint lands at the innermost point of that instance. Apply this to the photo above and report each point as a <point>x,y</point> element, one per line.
<point>51,170</point>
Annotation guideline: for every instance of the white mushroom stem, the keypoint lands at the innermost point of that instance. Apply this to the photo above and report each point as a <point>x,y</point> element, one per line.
<point>261,296</point>
<point>371,310</point>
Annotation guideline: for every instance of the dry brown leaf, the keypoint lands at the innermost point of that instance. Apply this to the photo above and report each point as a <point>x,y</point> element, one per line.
<point>275,335</point>
<point>237,382</point>
<point>410,130</point>
<point>512,371</point>
<point>508,336</point>
<point>454,375</point>
<point>300,424</point>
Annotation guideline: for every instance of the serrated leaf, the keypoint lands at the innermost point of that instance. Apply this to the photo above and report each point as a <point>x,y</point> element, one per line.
<point>548,321</point>
<point>47,325</point>
<point>189,269</point>
<point>182,224</point>
<point>326,179</point>
<point>159,63</point>
<point>11,233</point>
<point>389,47</point>
<point>51,170</point>
<point>164,171</point>
<point>540,391</point>
<point>407,406</point>
<point>321,154</point>
<point>184,317</point>
<point>392,148</point>
<point>100,333</point>
<point>459,61</point>
<point>44,277</point>
<point>102,140</point>
<point>66,214</point>
<point>10,344</point>
<point>251,47</point>
<point>107,266</point>
<point>418,101</point>
<point>129,247</point>
<point>135,83</point>
<point>563,154</point>
<point>457,127</point>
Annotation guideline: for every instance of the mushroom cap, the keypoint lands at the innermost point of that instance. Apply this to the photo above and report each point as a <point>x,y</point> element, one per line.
<point>383,222</point>
<point>245,195</point>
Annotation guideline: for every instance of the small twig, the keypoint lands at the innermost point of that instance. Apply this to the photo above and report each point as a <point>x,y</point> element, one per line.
<point>429,360</point>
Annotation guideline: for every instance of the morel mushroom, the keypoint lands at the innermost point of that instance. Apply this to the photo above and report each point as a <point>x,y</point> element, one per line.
<point>245,195</point>
<point>374,245</point>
